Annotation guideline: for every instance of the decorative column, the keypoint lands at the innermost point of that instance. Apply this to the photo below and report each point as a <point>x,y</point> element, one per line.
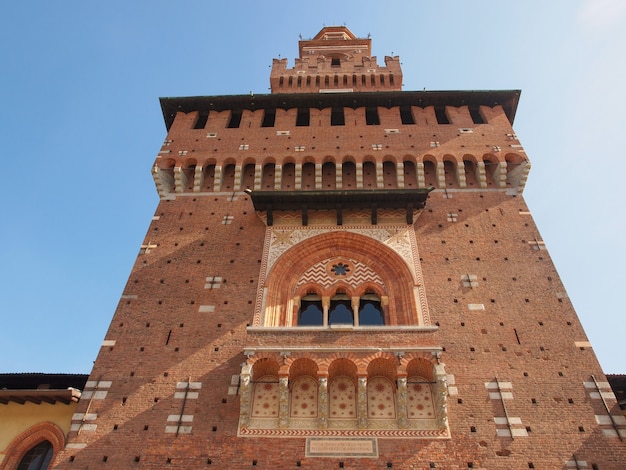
<point>361,406</point>
<point>356,301</point>
<point>384,304</point>
<point>245,392</point>
<point>283,402</point>
<point>440,392</point>
<point>401,403</point>
<point>297,302</point>
<point>326,308</point>
<point>322,403</point>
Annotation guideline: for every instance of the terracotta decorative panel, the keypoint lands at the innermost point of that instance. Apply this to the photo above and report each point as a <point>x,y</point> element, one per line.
<point>381,401</point>
<point>342,399</point>
<point>265,398</point>
<point>303,398</point>
<point>420,400</point>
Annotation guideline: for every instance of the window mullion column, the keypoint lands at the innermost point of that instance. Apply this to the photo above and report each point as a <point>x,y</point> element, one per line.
<point>356,301</point>
<point>325,308</point>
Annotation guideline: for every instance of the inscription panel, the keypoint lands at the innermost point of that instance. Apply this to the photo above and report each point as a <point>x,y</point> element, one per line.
<point>341,447</point>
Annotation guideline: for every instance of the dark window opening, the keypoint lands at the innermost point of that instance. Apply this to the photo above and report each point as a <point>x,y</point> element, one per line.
<point>203,116</point>
<point>391,79</point>
<point>406,115</point>
<point>477,117</point>
<point>335,62</point>
<point>38,457</point>
<point>311,313</point>
<point>281,81</point>
<point>337,117</point>
<point>371,116</point>
<point>303,117</point>
<point>440,114</point>
<point>326,80</point>
<point>235,119</point>
<point>382,79</point>
<point>290,82</point>
<point>363,80</point>
<point>269,118</point>
<point>336,80</point>
<point>370,311</point>
<point>317,81</point>
<point>340,312</point>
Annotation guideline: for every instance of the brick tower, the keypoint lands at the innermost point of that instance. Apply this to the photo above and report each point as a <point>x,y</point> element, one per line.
<point>341,274</point>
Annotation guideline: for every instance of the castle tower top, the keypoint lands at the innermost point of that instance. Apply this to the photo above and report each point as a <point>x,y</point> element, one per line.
<point>336,42</point>
<point>336,60</point>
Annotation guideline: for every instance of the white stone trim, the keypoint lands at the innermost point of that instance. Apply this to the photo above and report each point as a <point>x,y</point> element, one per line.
<point>183,419</point>
<point>178,429</point>
<point>503,385</point>
<point>601,385</point>
<point>579,464</point>
<point>473,307</point>
<point>192,385</point>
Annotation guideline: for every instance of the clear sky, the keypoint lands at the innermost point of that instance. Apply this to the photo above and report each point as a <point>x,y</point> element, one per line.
<point>81,125</point>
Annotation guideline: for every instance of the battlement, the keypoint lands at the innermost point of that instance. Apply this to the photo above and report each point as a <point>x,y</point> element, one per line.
<point>335,60</point>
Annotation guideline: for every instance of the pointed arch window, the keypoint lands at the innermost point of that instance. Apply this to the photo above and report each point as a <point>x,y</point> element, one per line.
<point>370,310</point>
<point>311,312</point>
<point>340,312</point>
<point>38,457</point>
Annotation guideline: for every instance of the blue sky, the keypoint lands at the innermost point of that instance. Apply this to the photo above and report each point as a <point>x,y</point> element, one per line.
<point>81,125</point>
